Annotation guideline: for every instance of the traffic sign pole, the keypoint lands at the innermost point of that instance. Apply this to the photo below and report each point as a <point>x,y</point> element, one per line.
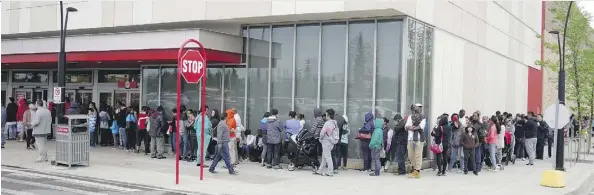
<point>191,65</point>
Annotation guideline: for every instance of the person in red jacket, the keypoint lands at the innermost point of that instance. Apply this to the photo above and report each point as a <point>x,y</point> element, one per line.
<point>142,134</point>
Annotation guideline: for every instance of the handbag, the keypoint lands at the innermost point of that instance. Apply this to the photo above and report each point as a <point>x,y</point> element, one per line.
<point>382,153</point>
<point>437,148</point>
<point>364,136</point>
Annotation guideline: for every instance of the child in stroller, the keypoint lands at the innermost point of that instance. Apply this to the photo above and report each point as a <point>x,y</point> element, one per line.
<point>301,150</point>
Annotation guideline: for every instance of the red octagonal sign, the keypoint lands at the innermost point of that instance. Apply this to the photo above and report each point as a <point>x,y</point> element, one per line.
<point>192,65</point>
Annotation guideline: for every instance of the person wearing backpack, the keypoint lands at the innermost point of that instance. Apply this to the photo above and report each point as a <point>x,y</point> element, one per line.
<point>376,145</point>
<point>329,136</point>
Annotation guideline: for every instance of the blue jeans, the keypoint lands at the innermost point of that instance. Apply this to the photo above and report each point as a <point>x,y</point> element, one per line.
<point>123,137</point>
<point>456,153</point>
<point>3,136</point>
<point>172,141</point>
<point>221,153</point>
<point>375,156</point>
<point>92,138</point>
<point>12,131</point>
<point>184,145</point>
<point>492,153</point>
<point>478,157</point>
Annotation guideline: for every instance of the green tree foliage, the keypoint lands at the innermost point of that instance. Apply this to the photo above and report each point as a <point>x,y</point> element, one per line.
<point>578,55</point>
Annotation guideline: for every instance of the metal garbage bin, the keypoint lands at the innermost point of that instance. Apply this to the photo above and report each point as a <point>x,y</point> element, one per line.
<point>73,141</point>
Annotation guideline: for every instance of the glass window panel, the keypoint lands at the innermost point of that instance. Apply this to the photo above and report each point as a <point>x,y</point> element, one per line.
<point>169,90</point>
<point>389,44</point>
<point>150,87</point>
<point>306,66</point>
<point>259,38</point>
<point>282,70</point>
<point>428,68</point>
<point>332,69</point>
<point>77,76</point>
<point>420,63</point>
<point>360,76</point>
<point>235,90</point>
<point>4,77</point>
<point>114,76</point>
<point>30,76</point>
<point>410,66</point>
<point>214,89</point>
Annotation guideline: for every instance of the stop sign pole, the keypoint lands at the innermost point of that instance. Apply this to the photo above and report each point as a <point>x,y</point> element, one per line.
<point>192,66</point>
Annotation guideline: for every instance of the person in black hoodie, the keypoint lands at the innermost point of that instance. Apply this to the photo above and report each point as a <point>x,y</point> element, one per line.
<point>11,112</point>
<point>541,136</point>
<point>520,137</point>
<point>441,135</point>
<point>531,133</point>
<point>399,143</point>
<point>121,121</point>
<point>214,121</point>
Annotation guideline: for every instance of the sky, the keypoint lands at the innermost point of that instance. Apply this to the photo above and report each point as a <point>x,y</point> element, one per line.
<point>588,6</point>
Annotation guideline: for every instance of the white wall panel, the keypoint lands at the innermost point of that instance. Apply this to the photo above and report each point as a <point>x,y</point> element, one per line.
<point>124,41</point>
<point>426,11</point>
<point>123,13</point>
<point>142,12</point>
<point>108,10</point>
<point>88,16</point>
<point>5,17</point>
<point>183,10</point>
<point>283,7</point>
<point>25,15</point>
<point>302,7</point>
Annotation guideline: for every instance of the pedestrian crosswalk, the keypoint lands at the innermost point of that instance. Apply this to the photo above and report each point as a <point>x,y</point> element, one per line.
<point>17,181</point>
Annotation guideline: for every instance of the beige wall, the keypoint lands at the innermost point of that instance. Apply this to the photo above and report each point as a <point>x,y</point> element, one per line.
<point>482,54</point>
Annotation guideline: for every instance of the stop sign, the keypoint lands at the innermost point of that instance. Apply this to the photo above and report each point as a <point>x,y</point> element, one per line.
<point>192,65</point>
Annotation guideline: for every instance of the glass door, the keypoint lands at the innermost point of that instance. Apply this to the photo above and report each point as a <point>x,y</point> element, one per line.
<point>120,97</point>
<point>135,99</point>
<point>39,94</point>
<point>106,97</point>
<point>27,94</point>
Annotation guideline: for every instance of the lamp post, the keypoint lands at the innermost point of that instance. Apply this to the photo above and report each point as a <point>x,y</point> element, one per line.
<point>559,160</point>
<point>561,98</point>
<point>62,56</point>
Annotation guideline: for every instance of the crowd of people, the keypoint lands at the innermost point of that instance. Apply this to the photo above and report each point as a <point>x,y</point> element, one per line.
<point>467,143</point>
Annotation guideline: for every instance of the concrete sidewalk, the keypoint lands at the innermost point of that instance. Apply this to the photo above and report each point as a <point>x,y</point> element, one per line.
<point>110,164</point>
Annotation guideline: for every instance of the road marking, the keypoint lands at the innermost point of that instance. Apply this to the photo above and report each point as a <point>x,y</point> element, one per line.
<point>53,187</point>
<point>84,183</point>
<point>14,192</point>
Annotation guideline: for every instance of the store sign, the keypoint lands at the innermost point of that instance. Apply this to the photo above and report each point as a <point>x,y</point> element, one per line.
<point>127,84</point>
<point>62,129</point>
<point>58,94</point>
<point>192,66</point>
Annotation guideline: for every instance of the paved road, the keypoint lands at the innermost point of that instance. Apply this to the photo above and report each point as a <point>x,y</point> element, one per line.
<point>19,181</point>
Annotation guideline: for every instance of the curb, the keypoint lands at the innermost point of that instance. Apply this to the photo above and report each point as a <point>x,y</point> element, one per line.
<point>585,187</point>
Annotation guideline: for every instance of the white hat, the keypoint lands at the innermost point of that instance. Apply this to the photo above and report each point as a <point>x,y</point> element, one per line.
<point>419,105</point>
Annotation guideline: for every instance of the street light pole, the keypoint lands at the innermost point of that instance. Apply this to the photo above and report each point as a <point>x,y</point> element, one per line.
<point>62,58</point>
<point>560,158</point>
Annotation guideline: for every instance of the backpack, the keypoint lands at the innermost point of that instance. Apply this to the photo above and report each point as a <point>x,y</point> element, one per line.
<point>334,138</point>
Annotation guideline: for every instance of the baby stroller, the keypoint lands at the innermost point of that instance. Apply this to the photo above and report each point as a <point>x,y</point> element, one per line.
<point>301,150</point>
<point>508,150</point>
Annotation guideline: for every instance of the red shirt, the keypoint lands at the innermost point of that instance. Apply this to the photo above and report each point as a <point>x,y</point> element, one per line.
<point>142,116</point>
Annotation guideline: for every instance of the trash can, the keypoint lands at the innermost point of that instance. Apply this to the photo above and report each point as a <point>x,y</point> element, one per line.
<point>73,141</point>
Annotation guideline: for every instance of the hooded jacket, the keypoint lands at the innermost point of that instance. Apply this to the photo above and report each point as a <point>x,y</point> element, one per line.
<point>400,133</point>
<point>377,136</point>
<point>543,130</point>
<point>231,123</point>
<point>442,133</point>
<point>28,117</point>
<point>198,126</point>
<point>11,112</point>
<point>368,126</point>
<point>274,130</point>
<point>158,126</point>
<point>318,123</point>
<point>23,107</point>
<point>456,138</point>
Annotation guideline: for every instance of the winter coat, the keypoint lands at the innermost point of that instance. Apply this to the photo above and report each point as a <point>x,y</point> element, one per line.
<point>274,130</point>
<point>23,107</point>
<point>368,127</point>
<point>377,136</point>
<point>231,124</point>
<point>27,119</point>
<point>11,112</point>
<point>158,125</point>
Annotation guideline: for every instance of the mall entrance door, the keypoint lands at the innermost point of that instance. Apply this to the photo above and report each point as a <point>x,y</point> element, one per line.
<point>30,94</point>
<point>128,97</point>
<point>81,96</point>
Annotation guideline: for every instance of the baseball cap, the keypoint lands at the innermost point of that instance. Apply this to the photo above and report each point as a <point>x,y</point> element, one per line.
<point>419,105</point>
